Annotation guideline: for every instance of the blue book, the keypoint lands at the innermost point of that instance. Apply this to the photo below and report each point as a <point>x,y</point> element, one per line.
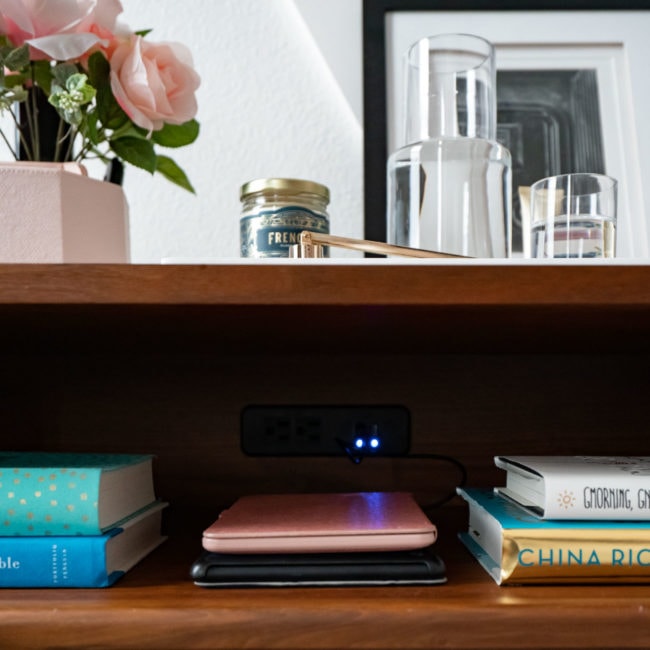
<point>80,561</point>
<point>515,546</point>
<point>71,494</point>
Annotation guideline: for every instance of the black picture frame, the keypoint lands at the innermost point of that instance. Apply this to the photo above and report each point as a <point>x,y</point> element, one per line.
<point>374,79</point>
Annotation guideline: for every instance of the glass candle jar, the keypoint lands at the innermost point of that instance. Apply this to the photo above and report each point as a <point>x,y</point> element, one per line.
<point>276,210</point>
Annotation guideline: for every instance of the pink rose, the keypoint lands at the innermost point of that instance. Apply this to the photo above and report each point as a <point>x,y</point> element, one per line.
<point>60,30</point>
<point>154,83</point>
<point>102,19</point>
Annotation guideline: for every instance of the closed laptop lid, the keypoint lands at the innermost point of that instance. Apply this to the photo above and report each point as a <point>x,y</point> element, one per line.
<point>320,523</point>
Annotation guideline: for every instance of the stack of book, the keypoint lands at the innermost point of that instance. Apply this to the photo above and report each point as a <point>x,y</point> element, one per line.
<point>335,539</point>
<point>563,519</point>
<point>75,520</point>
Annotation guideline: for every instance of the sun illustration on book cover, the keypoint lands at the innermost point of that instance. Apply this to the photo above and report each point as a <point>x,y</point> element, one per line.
<point>566,499</point>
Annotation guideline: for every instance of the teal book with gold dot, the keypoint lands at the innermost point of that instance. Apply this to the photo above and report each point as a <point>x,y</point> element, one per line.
<point>49,493</point>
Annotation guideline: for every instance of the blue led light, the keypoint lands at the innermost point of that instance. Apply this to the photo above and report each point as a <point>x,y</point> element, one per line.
<point>359,443</point>
<point>374,443</point>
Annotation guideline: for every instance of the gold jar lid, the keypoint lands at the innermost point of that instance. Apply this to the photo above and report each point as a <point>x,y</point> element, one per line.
<point>285,186</point>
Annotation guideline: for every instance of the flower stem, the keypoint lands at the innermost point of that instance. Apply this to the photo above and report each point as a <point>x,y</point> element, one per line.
<point>59,140</point>
<point>70,135</point>
<point>25,144</point>
<point>34,127</point>
<point>64,142</point>
<point>9,146</point>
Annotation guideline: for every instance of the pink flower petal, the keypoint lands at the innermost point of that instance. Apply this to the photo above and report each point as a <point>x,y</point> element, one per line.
<point>64,47</point>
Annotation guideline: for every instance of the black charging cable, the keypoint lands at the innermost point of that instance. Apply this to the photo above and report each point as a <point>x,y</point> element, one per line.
<point>445,459</point>
<point>356,457</point>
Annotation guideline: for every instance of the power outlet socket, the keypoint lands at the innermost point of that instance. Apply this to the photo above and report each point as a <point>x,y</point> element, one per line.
<point>355,431</point>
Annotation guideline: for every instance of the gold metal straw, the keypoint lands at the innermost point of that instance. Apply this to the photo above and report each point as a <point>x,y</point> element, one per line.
<point>311,245</point>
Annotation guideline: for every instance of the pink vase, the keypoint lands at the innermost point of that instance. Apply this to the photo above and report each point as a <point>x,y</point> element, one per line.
<point>54,212</point>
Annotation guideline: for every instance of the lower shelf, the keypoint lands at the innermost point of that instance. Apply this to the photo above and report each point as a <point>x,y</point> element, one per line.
<point>157,606</point>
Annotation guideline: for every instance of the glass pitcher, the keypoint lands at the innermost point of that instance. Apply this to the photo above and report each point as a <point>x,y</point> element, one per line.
<point>449,185</point>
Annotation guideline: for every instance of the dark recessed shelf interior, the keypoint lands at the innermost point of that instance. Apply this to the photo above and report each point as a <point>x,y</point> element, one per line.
<point>162,359</point>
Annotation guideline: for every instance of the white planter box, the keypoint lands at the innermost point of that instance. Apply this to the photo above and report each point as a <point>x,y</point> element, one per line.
<point>53,213</point>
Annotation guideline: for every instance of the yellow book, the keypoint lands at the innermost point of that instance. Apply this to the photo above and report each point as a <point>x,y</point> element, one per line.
<point>514,546</point>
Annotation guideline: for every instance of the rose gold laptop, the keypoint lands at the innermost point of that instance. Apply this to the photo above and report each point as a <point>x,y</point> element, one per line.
<point>321,523</point>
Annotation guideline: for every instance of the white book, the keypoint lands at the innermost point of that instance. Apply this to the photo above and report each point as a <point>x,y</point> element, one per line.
<point>579,487</point>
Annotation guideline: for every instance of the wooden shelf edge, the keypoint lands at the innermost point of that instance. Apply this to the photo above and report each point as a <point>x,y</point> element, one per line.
<point>231,284</point>
<point>403,309</point>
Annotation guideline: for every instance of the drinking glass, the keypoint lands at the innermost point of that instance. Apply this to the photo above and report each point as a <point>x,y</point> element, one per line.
<point>573,216</point>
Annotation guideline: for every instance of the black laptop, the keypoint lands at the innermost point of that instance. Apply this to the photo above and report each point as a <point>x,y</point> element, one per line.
<point>415,567</point>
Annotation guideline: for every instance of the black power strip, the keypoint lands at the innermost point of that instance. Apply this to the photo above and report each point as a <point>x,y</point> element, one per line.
<point>313,430</point>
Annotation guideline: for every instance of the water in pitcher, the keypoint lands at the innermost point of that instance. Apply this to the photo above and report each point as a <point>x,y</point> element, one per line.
<point>451,195</point>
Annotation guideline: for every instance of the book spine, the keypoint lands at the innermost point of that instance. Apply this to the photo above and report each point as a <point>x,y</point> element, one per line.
<point>53,562</point>
<point>569,497</point>
<point>49,501</point>
<point>584,555</point>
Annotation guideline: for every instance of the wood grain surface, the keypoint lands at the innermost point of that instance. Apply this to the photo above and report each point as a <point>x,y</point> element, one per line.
<point>162,359</point>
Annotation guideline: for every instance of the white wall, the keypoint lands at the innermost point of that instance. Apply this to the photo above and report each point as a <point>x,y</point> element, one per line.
<point>270,104</point>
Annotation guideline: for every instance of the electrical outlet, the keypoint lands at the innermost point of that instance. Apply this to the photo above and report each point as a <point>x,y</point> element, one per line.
<point>355,431</point>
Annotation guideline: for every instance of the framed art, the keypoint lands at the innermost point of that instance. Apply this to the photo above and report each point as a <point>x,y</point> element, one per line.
<point>571,92</point>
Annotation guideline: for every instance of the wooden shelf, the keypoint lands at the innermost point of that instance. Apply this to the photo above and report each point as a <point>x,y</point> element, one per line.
<point>156,606</point>
<point>390,308</point>
<point>161,359</point>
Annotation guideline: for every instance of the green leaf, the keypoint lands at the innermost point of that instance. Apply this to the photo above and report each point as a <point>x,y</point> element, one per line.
<point>177,135</point>
<point>136,151</point>
<point>16,59</point>
<point>109,111</point>
<point>42,71</point>
<point>130,130</point>
<point>13,80</point>
<point>172,172</point>
<point>9,96</point>
<point>81,91</point>
<point>89,128</point>
<point>62,72</point>
<point>111,114</point>
<point>99,69</point>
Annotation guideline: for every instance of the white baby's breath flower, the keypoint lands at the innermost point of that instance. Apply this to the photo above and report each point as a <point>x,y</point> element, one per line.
<point>70,99</point>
